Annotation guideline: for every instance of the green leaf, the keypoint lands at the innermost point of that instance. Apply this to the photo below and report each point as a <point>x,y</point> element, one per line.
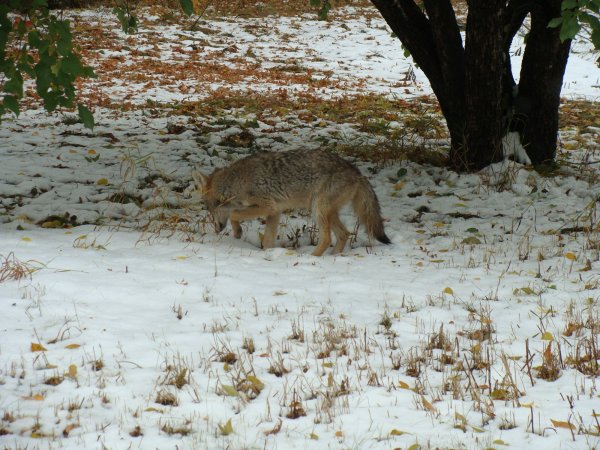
<point>324,11</point>
<point>85,116</point>
<point>187,6</point>
<point>72,65</point>
<point>14,85</point>
<point>569,29</point>
<point>555,22</point>
<point>568,4</point>
<point>11,103</point>
<point>596,39</point>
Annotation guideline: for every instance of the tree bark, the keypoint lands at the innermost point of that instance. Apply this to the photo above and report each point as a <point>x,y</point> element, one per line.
<point>475,86</point>
<point>542,71</point>
<point>484,75</point>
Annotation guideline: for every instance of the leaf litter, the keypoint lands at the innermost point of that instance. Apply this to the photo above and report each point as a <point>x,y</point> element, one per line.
<point>490,328</point>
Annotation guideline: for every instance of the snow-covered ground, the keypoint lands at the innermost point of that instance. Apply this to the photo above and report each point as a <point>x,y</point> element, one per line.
<point>141,328</point>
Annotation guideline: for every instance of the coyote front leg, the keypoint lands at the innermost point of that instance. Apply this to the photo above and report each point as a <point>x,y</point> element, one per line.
<point>253,212</point>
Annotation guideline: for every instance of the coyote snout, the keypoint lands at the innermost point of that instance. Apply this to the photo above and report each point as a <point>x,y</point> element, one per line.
<point>266,184</point>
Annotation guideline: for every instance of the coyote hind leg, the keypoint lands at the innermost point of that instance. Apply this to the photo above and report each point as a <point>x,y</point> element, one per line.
<point>324,224</point>
<point>340,231</point>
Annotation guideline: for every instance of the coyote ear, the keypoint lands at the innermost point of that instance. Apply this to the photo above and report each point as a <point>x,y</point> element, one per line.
<point>200,180</point>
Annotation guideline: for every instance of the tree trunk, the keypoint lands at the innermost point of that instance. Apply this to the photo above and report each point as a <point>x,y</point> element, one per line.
<point>484,75</point>
<point>474,86</point>
<point>542,71</point>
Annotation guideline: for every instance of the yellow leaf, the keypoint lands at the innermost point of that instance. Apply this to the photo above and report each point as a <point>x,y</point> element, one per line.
<point>226,368</point>
<point>500,394</point>
<point>395,432</point>
<point>328,365</point>
<point>36,397</point>
<point>399,185</point>
<point>229,390</point>
<point>420,231</point>
<point>339,434</point>
<point>91,152</point>
<point>72,373</point>
<point>181,258</point>
<point>72,346</point>
<point>403,385</point>
<point>153,409</point>
<point>528,291</point>
<point>102,182</point>
<point>226,429</point>
<point>437,261</point>
<point>278,293</point>
<point>415,446</point>
<point>258,385</point>
<point>448,291</point>
<point>562,424</point>
<point>478,430</point>
<point>314,437</point>
<point>570,256</point>
<point>419,264</point>
<point>528,405</point>
<point>499,442</point>
<point>26,239</point>
<point>52,224</point>
<point>547,336</point>
<point>290,252</point>
<point>439,224</point>
<point>72,151</point>
<point>35,347</point>
<point>459,416</point>
<point>428,406</point>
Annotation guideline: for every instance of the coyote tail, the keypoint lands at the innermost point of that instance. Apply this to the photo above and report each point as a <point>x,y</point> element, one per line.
<point>366,207</point>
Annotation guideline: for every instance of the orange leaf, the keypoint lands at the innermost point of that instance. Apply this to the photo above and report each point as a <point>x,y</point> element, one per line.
<point>561,424</point>
<point>35,347</point>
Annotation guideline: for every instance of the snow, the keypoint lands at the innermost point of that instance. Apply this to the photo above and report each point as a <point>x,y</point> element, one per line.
<point>433,340</point>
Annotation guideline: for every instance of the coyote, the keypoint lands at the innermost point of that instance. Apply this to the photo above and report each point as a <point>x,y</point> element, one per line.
<point>266,184</point>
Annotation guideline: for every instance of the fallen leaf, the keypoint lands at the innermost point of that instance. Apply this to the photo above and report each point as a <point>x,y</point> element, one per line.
<point>35,347</point>
<point>258,385</point>
<point>547,336</point>
<point>72,373</point>
<point>226,429</point>
<point>562,424</point>
<point>428,406</point>
<point>396,432</point>
<point>229,390</point>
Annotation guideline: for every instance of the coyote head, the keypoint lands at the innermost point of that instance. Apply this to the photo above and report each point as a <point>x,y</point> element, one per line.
<point>217,209</point>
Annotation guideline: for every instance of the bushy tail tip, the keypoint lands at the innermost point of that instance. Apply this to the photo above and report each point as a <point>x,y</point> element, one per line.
<point>384,239</point>
<point>366,206</point>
